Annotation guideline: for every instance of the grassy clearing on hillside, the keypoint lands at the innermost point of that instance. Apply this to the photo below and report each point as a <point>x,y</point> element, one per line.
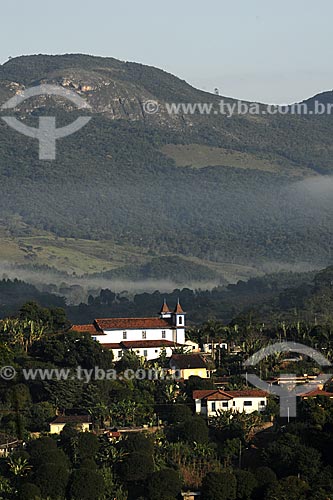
<point>198,156</point>
<point>70,255</point>
<point>88,256</point>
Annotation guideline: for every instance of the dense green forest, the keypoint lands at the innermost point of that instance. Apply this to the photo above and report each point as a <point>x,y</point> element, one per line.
<point>14,293</point>
<point>173,268</point>
<point>274,298</point>
<point>110,175</point>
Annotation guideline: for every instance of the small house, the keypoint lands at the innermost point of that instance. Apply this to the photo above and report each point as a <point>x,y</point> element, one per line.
<point>81,422</point>
<point>187,365</point>
<point>209,402</point>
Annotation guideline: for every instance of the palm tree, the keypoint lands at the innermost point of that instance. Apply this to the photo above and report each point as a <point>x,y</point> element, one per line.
<point>19,466</point>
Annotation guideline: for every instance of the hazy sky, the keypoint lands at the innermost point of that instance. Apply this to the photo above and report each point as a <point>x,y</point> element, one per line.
<point>271,51</point>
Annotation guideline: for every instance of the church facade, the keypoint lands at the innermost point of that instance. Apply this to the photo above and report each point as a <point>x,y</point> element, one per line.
<point>147,337</point>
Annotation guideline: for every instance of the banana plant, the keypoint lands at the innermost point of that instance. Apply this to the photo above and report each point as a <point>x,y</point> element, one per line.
<point>19,466</point>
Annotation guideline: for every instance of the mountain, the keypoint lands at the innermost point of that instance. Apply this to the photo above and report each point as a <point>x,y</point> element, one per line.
<point>234,195</point>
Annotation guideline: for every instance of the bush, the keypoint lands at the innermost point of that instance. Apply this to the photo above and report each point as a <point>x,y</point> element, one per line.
<point>88,445</point>
<point>86,484</point>
<point>219,486</point>
<point>163,485</point>
<point>138,442</point>
<point>246,484</point>
<point>52,479</point>
<point>29,491</point>
<point>179,413</point>
<point>195,429</point>
<point>136,467</point>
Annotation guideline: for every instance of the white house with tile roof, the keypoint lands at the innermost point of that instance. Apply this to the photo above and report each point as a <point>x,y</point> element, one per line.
<point>209,402</point>
<point>147,337</point>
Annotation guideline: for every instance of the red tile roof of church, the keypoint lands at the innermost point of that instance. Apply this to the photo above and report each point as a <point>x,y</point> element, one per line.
<point>131,323</point>
<point>86,329</point>
<point>143,344</point>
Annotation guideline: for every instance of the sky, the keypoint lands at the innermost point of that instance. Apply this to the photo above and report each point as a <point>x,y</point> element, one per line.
<point>259,50</point>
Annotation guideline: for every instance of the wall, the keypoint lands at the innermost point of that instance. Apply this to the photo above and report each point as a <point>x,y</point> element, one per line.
<point>239,406</point>
<point>152,352</point>
<point>198,372</point>
<point>116,336</point>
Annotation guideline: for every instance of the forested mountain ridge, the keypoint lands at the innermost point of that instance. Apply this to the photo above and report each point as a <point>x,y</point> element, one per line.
<point>263,198</point>
<point>270,299</point>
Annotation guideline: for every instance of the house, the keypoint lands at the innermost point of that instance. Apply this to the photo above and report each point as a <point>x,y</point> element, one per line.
<point>293,379</point>
<point>315,393</point>
<point>8,444</point>
<point>191,346</point>
<point>209,402</point>
<point>187,365</point>
<point>82,422</point>
<point>214,345</point>
<point>113,435</point>
<point>147,337</point>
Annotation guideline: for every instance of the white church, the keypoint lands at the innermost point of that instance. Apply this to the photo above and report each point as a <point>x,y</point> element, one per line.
<point>147,337</point>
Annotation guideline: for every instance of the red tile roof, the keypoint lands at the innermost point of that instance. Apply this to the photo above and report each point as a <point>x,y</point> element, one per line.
<point>165,308</point>
<point>317,392</point>
<point>218,394</point>
<point>69,419</point>
<point>184,361</point>
<point>113,434</point>
<point>111,346</point>
<point>131,323</point>
<point>92,329</point>
<point>248,393</point>
<point>86,329</point>
<point>143,344</point>
<point>212,395</point>
<point>178,308</point>
<point>199,394</point>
